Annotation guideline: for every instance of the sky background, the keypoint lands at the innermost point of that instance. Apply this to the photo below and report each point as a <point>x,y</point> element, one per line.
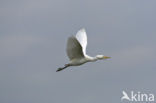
<point>33,35</point>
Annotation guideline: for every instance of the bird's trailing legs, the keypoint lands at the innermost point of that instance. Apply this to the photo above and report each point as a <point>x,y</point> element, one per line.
<point>65,66</point>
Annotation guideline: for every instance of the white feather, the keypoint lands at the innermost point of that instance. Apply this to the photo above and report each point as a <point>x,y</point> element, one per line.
<point>74,49</point>
<point>81,36</point>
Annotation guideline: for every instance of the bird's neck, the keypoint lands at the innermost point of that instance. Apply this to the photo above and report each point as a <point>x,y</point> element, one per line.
<point>91,59</point>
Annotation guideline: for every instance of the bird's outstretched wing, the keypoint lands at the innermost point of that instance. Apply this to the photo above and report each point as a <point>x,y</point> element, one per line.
<point>81,36</point>
<point>74,49</point>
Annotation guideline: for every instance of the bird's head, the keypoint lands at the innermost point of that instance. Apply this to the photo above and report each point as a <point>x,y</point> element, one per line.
<point>100,57</point>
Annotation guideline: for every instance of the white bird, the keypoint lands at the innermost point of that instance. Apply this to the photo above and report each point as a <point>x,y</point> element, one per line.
<point>76,50</point>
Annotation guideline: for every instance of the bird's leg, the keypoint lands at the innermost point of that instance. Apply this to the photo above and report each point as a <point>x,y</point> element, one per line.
<point>65,66</point>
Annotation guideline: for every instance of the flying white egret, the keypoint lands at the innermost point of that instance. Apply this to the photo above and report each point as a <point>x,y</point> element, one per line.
<point>76,50</point>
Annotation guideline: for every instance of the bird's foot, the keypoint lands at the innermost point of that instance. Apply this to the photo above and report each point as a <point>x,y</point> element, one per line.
<point>59,69</point>
<point>65,66</point>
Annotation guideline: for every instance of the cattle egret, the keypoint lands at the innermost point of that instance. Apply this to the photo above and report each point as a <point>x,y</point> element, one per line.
<point>76,51</point>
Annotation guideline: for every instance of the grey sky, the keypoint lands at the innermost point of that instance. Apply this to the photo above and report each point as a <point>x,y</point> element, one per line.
<point>33,35</point>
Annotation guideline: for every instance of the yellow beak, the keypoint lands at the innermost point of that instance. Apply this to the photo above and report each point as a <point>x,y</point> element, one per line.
<point>106,57</point>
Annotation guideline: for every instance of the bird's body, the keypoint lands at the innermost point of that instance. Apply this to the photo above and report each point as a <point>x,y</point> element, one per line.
<point>77,62</point>
<point>76,50</point>
<point>80,61</point>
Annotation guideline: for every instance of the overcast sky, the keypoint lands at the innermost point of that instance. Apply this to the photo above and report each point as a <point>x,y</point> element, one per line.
<point>33,35</point>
